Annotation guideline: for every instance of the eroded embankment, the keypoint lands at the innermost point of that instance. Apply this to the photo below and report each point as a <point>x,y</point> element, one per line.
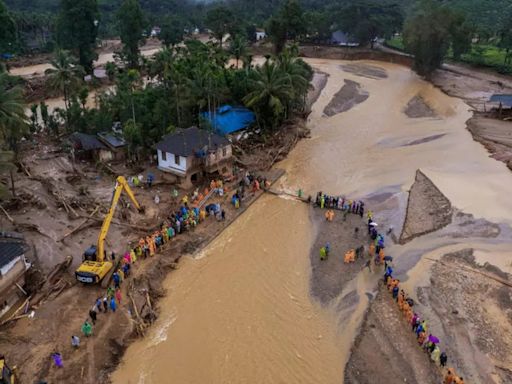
<point>343,53</point>
<point>385,350</point>
<point>470,308</point>
<point>427,210</point>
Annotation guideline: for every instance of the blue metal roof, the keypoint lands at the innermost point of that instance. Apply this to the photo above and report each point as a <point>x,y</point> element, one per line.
<point>230,119</point>
<point>505,100</point>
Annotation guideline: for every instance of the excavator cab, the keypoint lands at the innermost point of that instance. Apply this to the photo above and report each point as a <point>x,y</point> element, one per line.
<point>95,265</point>
<point>92,270</point>
<point>8,374</point>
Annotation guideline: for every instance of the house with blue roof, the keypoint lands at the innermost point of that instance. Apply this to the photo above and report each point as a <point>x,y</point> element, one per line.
<point>228,119</point>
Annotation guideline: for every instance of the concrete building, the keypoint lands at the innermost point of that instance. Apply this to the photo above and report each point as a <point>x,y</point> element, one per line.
<point>193,154</point>
<point>260,34</point>
<point>13,267</point>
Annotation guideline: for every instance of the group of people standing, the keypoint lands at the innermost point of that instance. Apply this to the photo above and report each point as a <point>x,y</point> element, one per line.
<point>428,342</point>
<point>339,203</point>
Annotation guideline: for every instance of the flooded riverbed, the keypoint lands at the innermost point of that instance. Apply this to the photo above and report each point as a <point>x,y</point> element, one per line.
<point>242,311</point>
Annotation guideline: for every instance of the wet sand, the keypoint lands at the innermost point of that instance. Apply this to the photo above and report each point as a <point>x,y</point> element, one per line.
<point>348,96</point>
<point>243,312</point>
<point>329,277</point>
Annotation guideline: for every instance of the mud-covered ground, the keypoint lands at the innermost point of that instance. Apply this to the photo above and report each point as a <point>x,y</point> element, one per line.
<point>329,277</point>
<point>40,214</point>
<point>386,351</point>
<point>469,306</point>
<point>417,107</point>
<point>347,97</point>
<point>428,209</point>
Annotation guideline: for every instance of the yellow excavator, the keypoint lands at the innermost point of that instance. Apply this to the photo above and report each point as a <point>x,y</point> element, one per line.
<point>95,265</point>
<point>8,375</point>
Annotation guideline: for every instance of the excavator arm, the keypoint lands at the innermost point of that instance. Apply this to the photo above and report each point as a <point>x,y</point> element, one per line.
<point>121,184</point>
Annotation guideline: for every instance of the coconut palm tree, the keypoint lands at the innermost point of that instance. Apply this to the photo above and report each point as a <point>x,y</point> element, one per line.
<point>238,48</point>
<point>298,72</point>
<point>65,76</point>
<point>13,121</point>
<point>270,92</point>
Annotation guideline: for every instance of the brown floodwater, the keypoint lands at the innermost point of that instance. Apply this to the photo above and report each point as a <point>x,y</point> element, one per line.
<point>241,311</point>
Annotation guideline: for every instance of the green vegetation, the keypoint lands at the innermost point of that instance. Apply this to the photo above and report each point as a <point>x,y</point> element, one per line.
<point>13,122</point>
<point>77,27</point>
<point>367,20</point>
<point>131,24</point>
<point>287,24</point>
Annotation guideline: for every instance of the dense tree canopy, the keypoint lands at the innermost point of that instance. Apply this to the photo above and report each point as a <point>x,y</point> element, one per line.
<point>78,28</point>
<point>7,29</point>
<point>367,20</point>
<point>430,31</point>
<point>131,24</point>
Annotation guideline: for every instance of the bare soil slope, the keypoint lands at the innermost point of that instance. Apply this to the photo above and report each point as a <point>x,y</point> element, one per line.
<point>427,211</point>
<point>385,351</point>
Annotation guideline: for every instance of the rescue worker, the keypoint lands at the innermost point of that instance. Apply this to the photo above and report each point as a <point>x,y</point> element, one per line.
<point>92,314</point>
<point>87,329</point>
<point>75,341</point>
<point>421,338</point>
<point>371,250</point>
<point>435,355</point>
<point>57,359</point>
<point>443,358</point>
<point>449,377</point>
<point>113,305</point>
<point>323,253</point>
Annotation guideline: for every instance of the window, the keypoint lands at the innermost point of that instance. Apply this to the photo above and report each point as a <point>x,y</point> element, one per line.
<point>164,156</point>
<point>224,152</point>
<point>177,159</point>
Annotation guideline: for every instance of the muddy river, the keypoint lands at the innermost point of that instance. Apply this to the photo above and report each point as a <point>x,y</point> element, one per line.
<point>241,311</point>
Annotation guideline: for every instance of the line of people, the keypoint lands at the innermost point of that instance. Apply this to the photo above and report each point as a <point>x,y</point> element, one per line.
<point>428,342</point>
<point>178,222</point>
<point>339,203</point>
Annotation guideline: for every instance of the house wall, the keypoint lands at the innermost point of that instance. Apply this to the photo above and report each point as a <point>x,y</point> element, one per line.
<point>219,155</point>
<point>170,165</point>
<point>12,273</point>
<point>105,155</point>
<point>260,35</point>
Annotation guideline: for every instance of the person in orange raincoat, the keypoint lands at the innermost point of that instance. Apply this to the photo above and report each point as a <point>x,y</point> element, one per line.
<point>409,315</point>
<point>405,308</point>
<point>371,250</point>
<point>449,377</point>
<point>151,245</point>
<point>381,255</point>
<point>400,299</point>
<point>421,338</point>
<point>389,280</point>
<point>458,380</point>
<point>350,256</point>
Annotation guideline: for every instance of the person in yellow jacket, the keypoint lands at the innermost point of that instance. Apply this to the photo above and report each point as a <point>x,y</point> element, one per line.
<point>133,256</point>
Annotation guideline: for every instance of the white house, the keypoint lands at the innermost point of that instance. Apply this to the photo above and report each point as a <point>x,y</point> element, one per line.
<point>193,153</point>
<point>260,34</point>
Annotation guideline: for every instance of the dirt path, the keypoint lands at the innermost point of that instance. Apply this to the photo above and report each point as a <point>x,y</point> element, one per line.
<point>386,349</point>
